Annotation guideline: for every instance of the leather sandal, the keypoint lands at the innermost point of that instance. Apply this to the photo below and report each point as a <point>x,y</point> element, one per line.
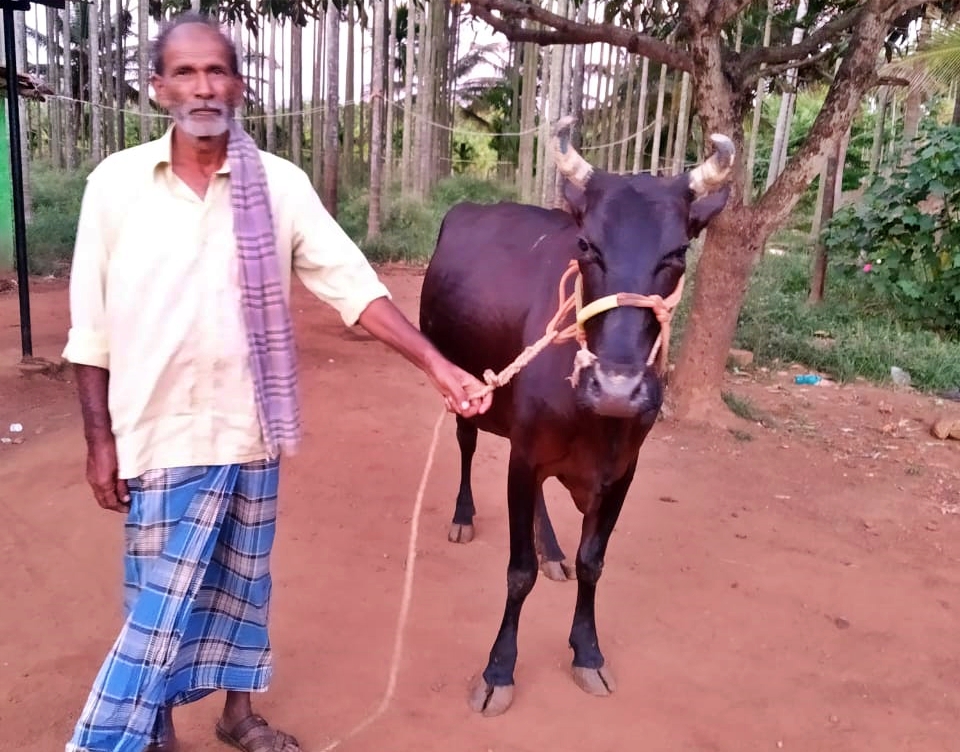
<point>254,734</point>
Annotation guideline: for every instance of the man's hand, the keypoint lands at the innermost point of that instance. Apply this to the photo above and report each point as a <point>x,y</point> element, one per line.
<point>459,389</point>
<point>110,491</point>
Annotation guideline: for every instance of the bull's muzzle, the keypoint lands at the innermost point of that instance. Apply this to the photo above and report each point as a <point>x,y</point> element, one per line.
<point>620,391</point>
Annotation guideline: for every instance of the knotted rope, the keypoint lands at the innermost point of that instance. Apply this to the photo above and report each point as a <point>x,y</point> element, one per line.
<point>662,308</point>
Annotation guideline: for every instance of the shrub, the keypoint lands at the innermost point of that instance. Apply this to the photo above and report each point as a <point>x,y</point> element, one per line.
<point>53,227</point>
<point>903,240</point>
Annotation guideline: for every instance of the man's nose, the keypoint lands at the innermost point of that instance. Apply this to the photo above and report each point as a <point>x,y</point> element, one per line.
<point>204,90</point>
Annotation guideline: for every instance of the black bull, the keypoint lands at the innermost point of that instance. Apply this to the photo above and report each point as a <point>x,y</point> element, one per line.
<point>490,290</point>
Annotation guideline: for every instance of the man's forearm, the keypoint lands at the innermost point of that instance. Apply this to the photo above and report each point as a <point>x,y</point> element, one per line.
<point>92,386</point>
<point>386,322</point>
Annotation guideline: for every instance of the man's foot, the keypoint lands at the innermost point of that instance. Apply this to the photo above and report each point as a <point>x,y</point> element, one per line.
<point>165,746</point>
<point>167,741</point>
<point>254,734</point>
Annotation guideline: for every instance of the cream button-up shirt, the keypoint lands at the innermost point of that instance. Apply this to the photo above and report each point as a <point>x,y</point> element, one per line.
<point>155,299</point>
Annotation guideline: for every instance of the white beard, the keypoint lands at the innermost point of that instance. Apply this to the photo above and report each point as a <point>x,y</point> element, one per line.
<point>205,126</point>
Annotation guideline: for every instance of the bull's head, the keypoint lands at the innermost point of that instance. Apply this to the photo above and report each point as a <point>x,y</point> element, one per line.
<point>634,233</point>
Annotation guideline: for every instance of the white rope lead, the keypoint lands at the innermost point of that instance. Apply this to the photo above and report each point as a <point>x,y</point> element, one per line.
<point>405,599</point>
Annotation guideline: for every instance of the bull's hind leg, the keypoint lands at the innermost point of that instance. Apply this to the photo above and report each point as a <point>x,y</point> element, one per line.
<point>589,669</point>
<point>492,693</point>
<point>553,563</point>
<point>461,530</point>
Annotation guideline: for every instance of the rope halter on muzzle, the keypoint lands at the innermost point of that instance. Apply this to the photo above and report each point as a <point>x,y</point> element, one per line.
<point>661,307</point>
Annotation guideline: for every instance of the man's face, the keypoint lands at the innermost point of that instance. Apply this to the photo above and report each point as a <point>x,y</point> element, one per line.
<point>197,87</point>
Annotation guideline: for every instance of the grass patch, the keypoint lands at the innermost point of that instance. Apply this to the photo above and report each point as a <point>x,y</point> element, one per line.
<point>410,226</point>
<point>53,227</point>
<point>850,334</point>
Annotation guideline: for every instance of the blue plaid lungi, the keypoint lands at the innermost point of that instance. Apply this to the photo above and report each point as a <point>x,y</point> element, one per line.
<point>196,595</point>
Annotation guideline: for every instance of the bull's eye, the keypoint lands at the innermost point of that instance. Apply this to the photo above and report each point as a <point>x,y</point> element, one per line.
<point>675,261</point>
<point>589,253</point>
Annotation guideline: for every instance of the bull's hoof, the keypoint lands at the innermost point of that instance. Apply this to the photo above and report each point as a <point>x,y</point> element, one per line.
<point>489,700</point>
<point>595,681</point>
<point>460,533</point>
<point>559,571</point>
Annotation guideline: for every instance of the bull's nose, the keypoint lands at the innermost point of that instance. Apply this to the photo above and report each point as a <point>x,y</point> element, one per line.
<point>621,392</point>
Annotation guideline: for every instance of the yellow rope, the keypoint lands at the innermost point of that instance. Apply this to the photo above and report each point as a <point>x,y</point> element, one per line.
<point>662,308</point>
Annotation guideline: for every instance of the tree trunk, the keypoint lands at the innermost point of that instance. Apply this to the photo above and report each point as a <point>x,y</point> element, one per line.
<point>683,119</point>
<point>876,149</point>
<point>109,80</point>
<point>20,52</point>
<point>781,137</point>
<point>613,105</point>
<point>818,276</point>
<point>53,73</point>
<point>390,72</point>
<point>349,94</point>
<point>331,153</point>
<point>626,120</point>
<point>426,75</point>
<point>316,114</point>
<point>296,93</point>
<point>361,108</point>
<point>96,131</point>
<point>528,108</point>
<point>579,74</point>
<point>658,122</point>
<point>736,236</point>
<point>120,71</point>
<point>407,149</point>
<point>143,65</point>
<point>641,116</point>
<point>913,106</point>
<point>376,127</point>
<point>272,88</point>
<point>757,111</point>
<point>70,124</point>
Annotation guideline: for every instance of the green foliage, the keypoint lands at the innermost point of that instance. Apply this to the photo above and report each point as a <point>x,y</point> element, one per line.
<point>901,241</point>
<point>56,206</point>
<point>410,227</point>
<point>852,333</point>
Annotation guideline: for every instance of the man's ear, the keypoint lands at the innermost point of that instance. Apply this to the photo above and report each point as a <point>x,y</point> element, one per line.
<point>705,209</point>
<point>576,199</point>
<point>236,96</point>
<point>158,87</point>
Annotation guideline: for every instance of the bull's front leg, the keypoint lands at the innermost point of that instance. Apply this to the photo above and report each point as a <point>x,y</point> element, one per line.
<point>590,671</point>
<point>461,529</point>
<point>492,693</point>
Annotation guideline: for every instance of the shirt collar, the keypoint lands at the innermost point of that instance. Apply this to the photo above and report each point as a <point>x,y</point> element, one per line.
<point>161,156</point>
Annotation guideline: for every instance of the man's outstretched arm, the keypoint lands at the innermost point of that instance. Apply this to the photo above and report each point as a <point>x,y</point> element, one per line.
<point>388,324</point>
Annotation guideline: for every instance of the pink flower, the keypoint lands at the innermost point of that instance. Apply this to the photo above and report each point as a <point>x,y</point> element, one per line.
<point>867,267</point>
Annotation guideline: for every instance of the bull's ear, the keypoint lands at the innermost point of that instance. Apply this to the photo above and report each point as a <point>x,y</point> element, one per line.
<point>705,209</point>
<point>576,199</point>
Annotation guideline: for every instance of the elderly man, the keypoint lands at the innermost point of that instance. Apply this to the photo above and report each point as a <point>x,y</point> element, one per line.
<point>181,337</point>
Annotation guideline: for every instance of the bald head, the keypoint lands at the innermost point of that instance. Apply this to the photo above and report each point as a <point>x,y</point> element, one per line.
<point>191,25</point>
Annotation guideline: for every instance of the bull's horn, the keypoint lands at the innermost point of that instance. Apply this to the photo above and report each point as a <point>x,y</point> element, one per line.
<point>571,165</point>
<point>714,172</point>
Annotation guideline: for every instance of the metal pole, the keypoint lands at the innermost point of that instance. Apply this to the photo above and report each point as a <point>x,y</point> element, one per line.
<point>16,173</point>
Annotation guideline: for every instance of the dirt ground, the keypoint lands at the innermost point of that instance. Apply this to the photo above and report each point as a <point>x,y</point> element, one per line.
<point>793,585</point>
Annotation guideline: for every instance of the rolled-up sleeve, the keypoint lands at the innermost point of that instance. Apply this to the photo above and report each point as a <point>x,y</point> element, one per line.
<point>87,341</point>
<point>327,261</point>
